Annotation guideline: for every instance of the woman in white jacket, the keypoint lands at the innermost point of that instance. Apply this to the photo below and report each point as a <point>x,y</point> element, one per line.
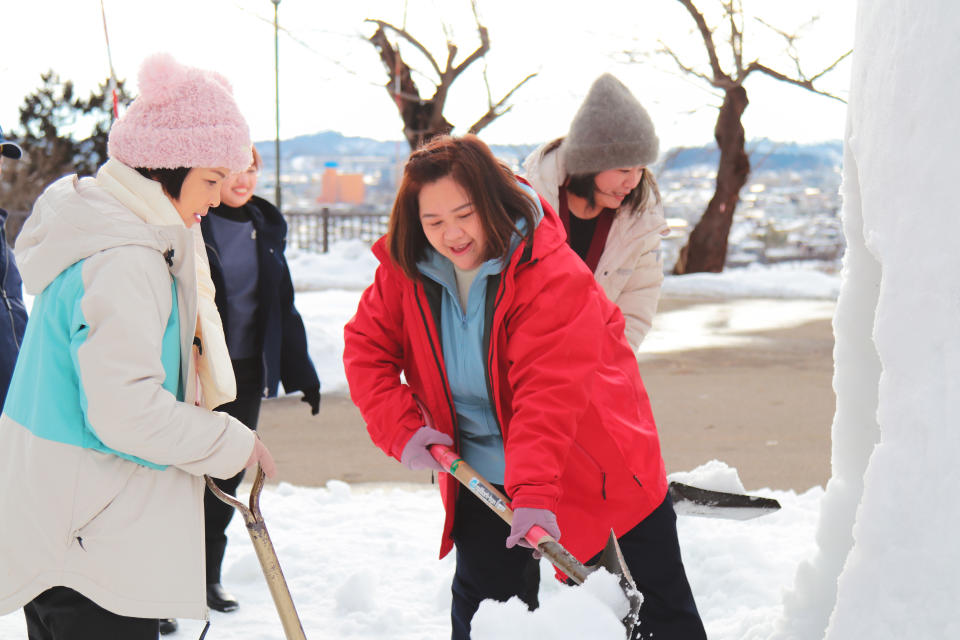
<point>107,429</point>
<point>598,180</point>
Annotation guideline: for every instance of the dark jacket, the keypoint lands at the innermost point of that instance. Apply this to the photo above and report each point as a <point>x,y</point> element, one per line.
<point>14,320</point>
<point>281,337</point>
<point>578,431</point>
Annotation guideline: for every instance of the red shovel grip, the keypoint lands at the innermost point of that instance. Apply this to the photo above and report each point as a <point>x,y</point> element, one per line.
<point>480,487</point>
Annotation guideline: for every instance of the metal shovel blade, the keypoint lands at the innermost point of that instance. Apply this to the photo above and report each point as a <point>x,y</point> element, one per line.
<point>611,559</point>
<point>695,501</point>
<point>266,554</point>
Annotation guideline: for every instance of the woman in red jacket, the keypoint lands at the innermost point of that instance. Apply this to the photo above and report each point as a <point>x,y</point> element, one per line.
<point>512,354</point>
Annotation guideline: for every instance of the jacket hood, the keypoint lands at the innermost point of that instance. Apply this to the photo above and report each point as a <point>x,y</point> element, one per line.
<point>545,171</point>
<point>75,218</point>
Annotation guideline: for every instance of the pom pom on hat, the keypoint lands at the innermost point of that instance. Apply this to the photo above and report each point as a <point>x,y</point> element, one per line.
<point>184,117</point>
<point>610,130</point>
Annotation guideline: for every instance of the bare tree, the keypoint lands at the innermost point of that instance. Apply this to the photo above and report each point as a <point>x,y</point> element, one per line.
<point>53,144</point>
<point>706,250</point>
<point>422,117</point>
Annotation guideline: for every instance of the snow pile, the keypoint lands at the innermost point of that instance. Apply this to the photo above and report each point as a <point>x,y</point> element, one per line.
<point>756,281</point>
<point>714,475</point>
<point>361,563</point>
<point>348,265</point>
<point>593,610</point>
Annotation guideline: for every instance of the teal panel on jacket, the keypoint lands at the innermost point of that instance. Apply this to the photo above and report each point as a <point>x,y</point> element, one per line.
<point>170,355</point>
<point>46,393</point>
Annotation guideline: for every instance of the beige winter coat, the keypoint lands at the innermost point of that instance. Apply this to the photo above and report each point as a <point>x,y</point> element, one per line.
<point>630,269</point>
<point>125,535</point>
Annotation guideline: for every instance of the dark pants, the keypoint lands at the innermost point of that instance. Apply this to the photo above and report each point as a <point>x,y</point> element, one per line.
<point>652,553</point>
<point>217,514</point>
<point>61,613</point>
<point>486,569</point>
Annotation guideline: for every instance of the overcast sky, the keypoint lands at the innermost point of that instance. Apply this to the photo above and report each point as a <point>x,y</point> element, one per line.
<point>331,78</point>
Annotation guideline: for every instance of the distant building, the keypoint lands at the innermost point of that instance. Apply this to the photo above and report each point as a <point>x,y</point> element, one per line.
<point>339,187</point>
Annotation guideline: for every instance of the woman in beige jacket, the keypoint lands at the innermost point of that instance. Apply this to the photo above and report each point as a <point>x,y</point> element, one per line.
<point>107,429</point>
<point>598,180</point>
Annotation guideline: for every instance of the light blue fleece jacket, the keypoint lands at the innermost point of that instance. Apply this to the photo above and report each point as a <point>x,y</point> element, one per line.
<point>481,442</point>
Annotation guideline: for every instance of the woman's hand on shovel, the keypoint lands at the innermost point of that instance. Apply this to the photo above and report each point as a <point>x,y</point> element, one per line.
<point>261,454</point>
<point>416,453</point>
<point>524,519</point>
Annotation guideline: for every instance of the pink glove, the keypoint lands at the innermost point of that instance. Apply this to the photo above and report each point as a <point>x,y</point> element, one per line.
<point>524,518</point>
<point>262,455</point>
<point>415,454</point>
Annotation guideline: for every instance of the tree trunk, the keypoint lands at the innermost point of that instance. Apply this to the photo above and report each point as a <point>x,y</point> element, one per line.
<point>420,123</point>
<point>422,119</point>
<point>706,249</point>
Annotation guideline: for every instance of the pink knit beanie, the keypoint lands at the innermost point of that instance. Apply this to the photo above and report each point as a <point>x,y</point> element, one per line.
<point>184,117</point>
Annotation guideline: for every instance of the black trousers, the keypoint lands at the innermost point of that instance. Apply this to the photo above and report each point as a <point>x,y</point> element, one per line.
<point>652,553</point>
<point>61,613</point>
<point>486,569</point>
<point>217,514</point>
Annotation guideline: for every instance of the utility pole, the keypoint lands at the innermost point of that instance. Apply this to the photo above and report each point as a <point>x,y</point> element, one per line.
<point>276,80</point>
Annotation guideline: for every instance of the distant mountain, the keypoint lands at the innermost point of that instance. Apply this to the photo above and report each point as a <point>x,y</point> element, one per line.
<point>332,143</point>
<point>328,143</point>
<point>765,155</point>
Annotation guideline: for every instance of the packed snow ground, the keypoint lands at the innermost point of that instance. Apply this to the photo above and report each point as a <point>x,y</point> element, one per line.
<point>361,561</point>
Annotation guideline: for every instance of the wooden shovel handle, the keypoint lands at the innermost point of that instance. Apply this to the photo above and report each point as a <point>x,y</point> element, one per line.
<point>611,559</point>
<point>480,487</point>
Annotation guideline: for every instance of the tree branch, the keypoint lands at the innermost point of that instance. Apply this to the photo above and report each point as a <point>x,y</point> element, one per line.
<point>493,113</point>
<point>481,51</point>
<point>400,86</point>
<point>723,83</point>
<point>736,36</point>
<point>800,82</point>
<point>707,36</point>
<point>831,67</point>
<point>409,38</point>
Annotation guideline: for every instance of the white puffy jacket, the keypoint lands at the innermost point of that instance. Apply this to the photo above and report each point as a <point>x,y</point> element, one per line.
<point>630,269</point>
<point>89,516</point>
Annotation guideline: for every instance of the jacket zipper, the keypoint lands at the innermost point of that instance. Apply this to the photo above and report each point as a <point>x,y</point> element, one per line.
<point>501,290</point>
<point>436,361</point>
<point>498,298</point>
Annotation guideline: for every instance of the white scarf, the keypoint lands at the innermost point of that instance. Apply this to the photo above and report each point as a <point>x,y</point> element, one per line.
<point>148,201</point>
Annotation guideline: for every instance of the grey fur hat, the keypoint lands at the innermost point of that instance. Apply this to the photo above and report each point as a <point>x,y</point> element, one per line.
<point>610,130</point>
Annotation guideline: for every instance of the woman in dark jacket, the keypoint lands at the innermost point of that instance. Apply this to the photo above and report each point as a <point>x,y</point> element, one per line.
<point>245,238</point>
<point>512,353</point>
<point>11,289</point>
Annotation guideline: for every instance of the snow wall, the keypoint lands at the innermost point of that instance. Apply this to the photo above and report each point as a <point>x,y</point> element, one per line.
<point>888,556</point>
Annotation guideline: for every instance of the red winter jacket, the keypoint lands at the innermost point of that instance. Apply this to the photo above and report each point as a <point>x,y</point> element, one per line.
<point>578,432</point>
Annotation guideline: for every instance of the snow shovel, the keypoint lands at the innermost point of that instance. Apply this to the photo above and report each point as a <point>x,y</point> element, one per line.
<point>694,501</point>
<point>611,559</point>
<point>266,554</point>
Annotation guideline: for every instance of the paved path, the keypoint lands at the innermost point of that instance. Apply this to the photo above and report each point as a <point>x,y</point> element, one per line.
<point>765,408</point>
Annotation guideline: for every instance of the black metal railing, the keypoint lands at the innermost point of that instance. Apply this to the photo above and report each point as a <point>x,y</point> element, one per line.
<point>317,230</point>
